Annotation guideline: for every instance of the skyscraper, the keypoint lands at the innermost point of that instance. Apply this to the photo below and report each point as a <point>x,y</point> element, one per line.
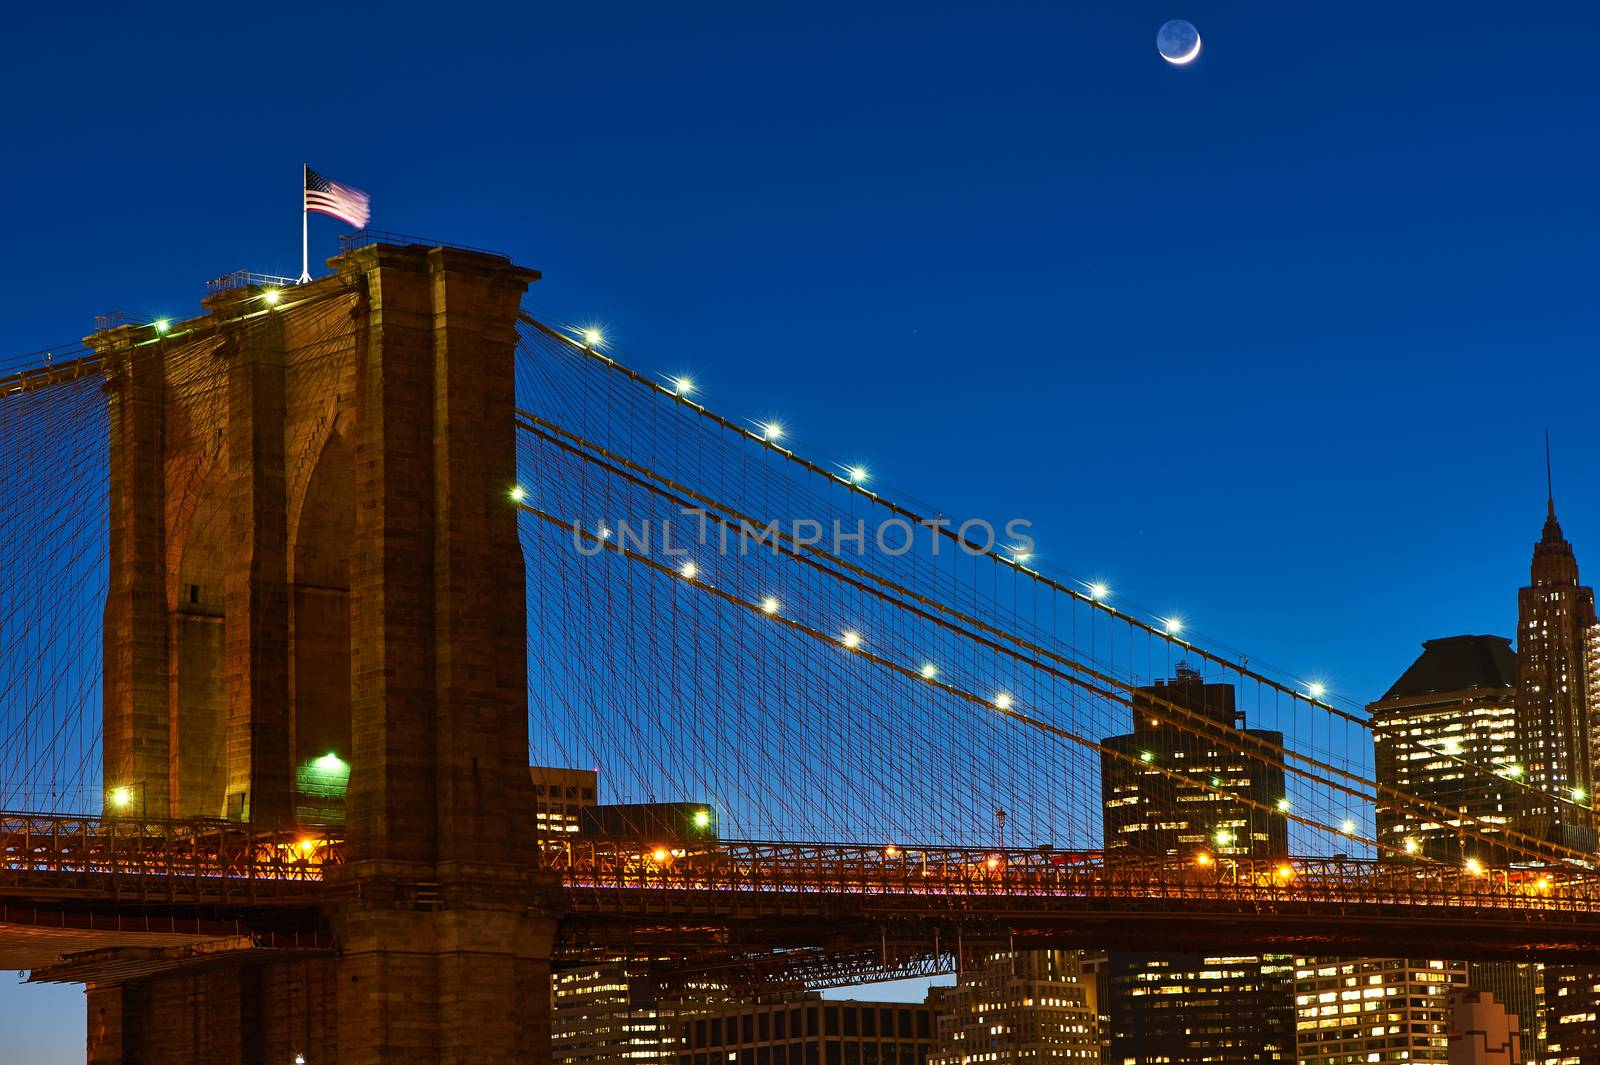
<point>1446,733</point>
<point>1169,791</point>
<point>1211,786</point>
<point>1558,647</point>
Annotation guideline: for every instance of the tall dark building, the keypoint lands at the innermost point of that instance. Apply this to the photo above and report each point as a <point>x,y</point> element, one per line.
<point>1148,812</point>
<point>1227,801</point>
<point>1455,704</point>
<point>1556,656</point>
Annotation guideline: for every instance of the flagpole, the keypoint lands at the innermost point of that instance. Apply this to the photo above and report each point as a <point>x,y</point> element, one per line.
<point>305,245</point>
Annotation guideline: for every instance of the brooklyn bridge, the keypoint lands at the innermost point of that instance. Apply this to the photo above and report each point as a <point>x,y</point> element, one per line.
<point>306,600</point>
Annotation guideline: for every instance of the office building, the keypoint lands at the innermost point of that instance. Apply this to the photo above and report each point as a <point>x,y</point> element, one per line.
<point>1192,780</point>
<point>1026,1006</point>
<point>1446,733</point>
<point>1374,1009</point>
<point>807,1030</point>
<point>559,795</point>
<point>608,1013</point>
<point>1557,640</point>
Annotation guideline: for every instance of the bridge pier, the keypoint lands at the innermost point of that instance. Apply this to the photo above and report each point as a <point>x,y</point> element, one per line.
<point>343,515</point>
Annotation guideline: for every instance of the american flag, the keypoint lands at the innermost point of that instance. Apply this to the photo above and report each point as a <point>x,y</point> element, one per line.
<point>341,201</point>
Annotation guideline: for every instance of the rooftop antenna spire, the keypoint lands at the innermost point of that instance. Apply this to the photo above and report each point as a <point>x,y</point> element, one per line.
<point>1549,483</point>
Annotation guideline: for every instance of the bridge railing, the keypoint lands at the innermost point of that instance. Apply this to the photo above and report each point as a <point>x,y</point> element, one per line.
<point>609,866</point>
<point>150,858</point>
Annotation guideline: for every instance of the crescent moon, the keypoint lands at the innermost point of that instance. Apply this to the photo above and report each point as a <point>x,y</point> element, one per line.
<point>1179,61</point>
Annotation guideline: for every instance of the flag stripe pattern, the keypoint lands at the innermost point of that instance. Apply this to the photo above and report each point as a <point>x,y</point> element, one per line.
<point>341,201</point>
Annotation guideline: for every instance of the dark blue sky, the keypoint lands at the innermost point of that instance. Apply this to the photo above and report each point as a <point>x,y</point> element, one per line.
<point>1269,341</point>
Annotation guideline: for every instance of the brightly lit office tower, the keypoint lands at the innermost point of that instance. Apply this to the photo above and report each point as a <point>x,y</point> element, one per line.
<point>1033,1006</point>
<point>1556,659</point>
<point>610,1013</point>
<point>1374,1009</point>
<point>1445,732</point>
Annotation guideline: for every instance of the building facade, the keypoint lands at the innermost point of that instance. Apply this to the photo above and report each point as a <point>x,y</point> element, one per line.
<point>1191,781</point>
<point>610,1013</point>
<point>1374,1009</point>
<point>1229,784</point>
<point>1186,1008</point>
<point>1556,680</point>
<point>1446,732</point>
<point>560,795</point>
<point>1034,1006</point>
<point>1481,1031</point>
<point>807,1030</point>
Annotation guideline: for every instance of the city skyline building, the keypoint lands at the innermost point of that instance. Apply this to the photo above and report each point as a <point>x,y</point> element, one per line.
<point>1034,1005</point>
<point>1558,650</point>
<point>1230,795</point>
<point>610,1012</point>
<point>1227,806</point>
<point>1445,732</point>
<point>1188,1009</point>
<point>1374,1009</point>
<point>806,1029</point>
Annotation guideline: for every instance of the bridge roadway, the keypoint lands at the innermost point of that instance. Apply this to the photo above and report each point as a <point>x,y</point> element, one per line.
<point>75,884</point>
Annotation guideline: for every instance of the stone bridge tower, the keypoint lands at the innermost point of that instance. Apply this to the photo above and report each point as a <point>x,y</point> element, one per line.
<point>316,615</point>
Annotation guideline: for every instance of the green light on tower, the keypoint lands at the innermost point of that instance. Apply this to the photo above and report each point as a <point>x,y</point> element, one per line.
<point>702,819</point>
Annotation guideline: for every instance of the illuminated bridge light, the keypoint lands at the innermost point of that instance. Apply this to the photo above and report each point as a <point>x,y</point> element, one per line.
<point>769,605</point>
<point>271,297</point>
<point>1283,805</point>
<point>1543,883</point>
<point>593,338</point>
<point>332,763</point>
<point>929,671</point>
<point>1224,838</point>
<point>857,474</point>
<point>682,385</point>
<point>702,819</point>
<point>1003,701</point>
<point>1513,771</point>
<point>518,493</point>
<point>851,639</point>
<point>660,854</point>
<point>1174,625</point>
<point>1316,689</point>
<point>890,851</point>
<point>1474,867</point>
<point>1098,592</point>
<point>1347,826</point>
<point>162,324</point>
<point>1578,795</point>
<point>1203,859</point>
<point>307,846</point>
<point>1284,871</point>
<point>689,571</point>
<point>121,797</point>
<point>771,431</point>
<point>1411,846</point>
<point>993,861</point>
<point>1146,757</point>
